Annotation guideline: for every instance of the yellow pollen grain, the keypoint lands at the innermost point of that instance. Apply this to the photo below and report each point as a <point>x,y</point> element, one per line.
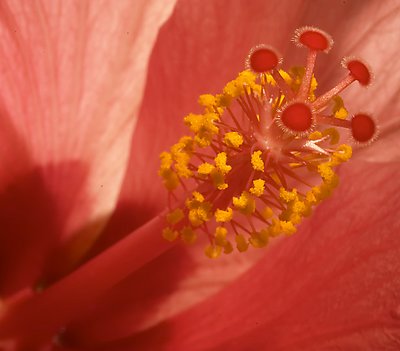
<point>182,160</point>
<point>233,139</point>
<point>165,160</point>
<point>223,100</point>
<point>326,172</point>
<point>299,207</point>
<point>343,153</point>
<point>339,111</point>
<point>288,196</point>
<point>220,236</point>
<point>170,234</point>
<point>170,179</point>
<point>200,214</point>
<point>258,187</point>
<point>245,203</point>
<point>175,216</point>
<point>275,229</point>
<point>267,213</point>
<point>241,243</point>
<point>188,235</point>
<point>218,180</point>
<point>259,239</point>
<point>257,162</point>
<point>287,227</point>
<point>207,100</point>
<point>213,251</point>
<point>220,163</point>
<point>205,168</point>
<point>228,248</point>
<point>333,135</point>
<point>198,196</point>
<point>184,145</point>
<point>315,135</point>
<point>224,216</point>
<point>236,87</point>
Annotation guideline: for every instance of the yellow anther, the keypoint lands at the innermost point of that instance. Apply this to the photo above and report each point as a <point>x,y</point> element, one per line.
<point>288,79</point>
<point>267,213</point>
<point>326,172</point>
<point>275,229</point>
<point>170,179</point>
<point>199,215</point>
<point>175,216</point>
<point>295,218</point>
<point>343,154</point>
<point>258,187</point>
<point>236,87</point>
<point>260,239</point>
<point>197,199</point>
<point>203,126</point>
<point>299,207</point>
<point>223,216</point>
<point>202,123</point>
<point>311,198</point>
<point>287,227</point>
<point>339,110</point>
<point>212,251</point>
<point>246,77</point>
<point>203,141</point>
<point>333,134</point>
<point>188,235</point>
<point>165,161</point>
<point>245,203</point>
<point>205,168</point>
<point>288,196</point>
<point>182,160</point>
<point>228,248</point>
<point>194,122</point>
<point>220,236</point>
<point>218,180</point>
<point>220,163</point>
<point>241,243</point>
<point>233,139</point>
<point>232,89</point>
<point>317,193</point>
<point>207,100</point>
<point>170,234</point>
<point>256,161</point>
<point>223,100</point>
<point>184,145</point>
<point>315,135</point>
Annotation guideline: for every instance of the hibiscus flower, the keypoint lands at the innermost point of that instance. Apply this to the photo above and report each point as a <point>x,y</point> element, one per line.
<point>332,285</point>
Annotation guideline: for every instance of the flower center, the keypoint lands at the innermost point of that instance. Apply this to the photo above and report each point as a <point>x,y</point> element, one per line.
<point>263,153</point>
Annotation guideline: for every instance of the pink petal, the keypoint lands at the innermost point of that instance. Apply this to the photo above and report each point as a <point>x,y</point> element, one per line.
<point>72,78</point>
<point>209,48</point>
<point>206,54</point>
<point>332,285</point>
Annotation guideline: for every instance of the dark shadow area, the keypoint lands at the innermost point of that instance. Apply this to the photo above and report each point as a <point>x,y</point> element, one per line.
<point>33,213</point>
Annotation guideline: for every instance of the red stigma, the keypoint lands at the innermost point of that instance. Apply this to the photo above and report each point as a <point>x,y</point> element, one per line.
<point>313,38</point>
<point>262,59</point>
<point>359,71</point>
<point>297,117</point>
<point>362,128</point>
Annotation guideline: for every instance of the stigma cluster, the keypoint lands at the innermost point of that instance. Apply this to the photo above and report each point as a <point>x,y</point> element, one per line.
<point>263,153</point>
